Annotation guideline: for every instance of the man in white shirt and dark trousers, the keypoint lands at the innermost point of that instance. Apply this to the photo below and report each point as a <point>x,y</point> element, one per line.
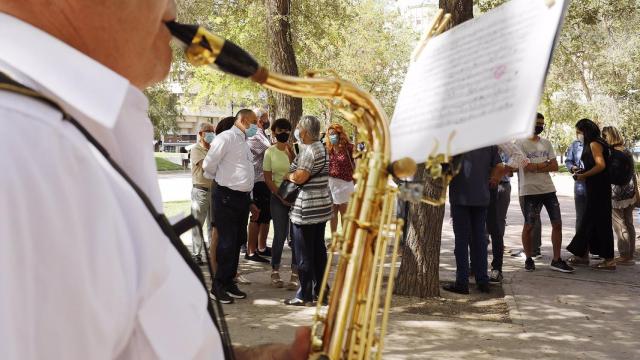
<point>102,279</point>
<point>230,163</point>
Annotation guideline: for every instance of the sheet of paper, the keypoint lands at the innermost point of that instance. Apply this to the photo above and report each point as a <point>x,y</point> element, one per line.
<point>481,80</point>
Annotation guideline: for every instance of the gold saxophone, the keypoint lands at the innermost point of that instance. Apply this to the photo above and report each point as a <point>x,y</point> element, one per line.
<point>352,326</point>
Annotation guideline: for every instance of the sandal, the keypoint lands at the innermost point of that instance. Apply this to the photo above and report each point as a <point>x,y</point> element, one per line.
<point>607,265</point>
<point>578,261</point>
<point>293,283</point>
<point>275,279</point>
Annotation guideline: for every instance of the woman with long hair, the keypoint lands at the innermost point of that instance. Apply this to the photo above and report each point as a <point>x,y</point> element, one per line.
<point>623,201</point>
<point>341,167</point>
<point>595,233</point>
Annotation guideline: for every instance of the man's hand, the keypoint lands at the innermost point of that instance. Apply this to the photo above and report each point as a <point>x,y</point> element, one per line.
<point>298,350</point>
<point>255,212</point>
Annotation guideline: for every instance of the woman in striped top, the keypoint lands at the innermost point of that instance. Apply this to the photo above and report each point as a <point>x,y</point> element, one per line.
<point>310,211</point>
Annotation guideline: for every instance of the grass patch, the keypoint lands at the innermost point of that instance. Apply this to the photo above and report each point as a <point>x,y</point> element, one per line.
<point>173,208</point>
<point>166,165</point>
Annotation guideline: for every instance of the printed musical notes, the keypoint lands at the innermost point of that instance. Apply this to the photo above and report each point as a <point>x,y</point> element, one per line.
<point>483,79</point>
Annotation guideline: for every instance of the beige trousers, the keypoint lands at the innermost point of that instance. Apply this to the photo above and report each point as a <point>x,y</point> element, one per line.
<point>625,231</point>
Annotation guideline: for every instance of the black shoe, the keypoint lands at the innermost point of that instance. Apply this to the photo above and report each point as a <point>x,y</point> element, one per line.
<point>537,255</point>
<point>234,292</point>
<point>266,252</point>
<point>243,248</point>
<point>197,259</point>
<point>452,287</point>
<point>496,276</point>
<point>529,265</point>
<point>562,266</point>
<point>484,288</point>
<point>296,302</point>
<point>221,296</point>
<point>257,258</point>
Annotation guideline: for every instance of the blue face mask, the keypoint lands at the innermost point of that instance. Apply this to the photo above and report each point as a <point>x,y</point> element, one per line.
<point>208,137</point>
<point>296,134</point>
<point>333,139</point>
<point>252,130</point>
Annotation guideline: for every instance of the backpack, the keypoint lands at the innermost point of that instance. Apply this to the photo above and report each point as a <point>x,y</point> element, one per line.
<point>620,167</point>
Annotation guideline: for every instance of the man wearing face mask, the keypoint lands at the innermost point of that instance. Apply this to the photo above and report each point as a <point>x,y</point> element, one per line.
<point>230,163</point>
<point>201,187</point>
<point>259,229</point>
<point>573,161</point>
<point>537,190</point>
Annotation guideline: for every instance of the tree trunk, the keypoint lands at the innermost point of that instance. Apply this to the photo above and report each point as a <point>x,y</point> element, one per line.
<point>282,56</point>
<point>419,271</point>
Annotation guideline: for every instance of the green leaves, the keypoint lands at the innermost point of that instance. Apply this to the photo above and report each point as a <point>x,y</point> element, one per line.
<point>362,40</point>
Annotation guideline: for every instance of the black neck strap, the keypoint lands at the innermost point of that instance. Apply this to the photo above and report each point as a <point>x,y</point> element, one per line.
<point>172,232</point>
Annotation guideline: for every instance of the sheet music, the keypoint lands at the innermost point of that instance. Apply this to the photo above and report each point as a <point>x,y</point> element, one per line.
<point>482,79</point>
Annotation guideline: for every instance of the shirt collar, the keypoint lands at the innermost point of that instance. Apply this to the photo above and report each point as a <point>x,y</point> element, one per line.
<point>81,85</point>
<point>238,131</point>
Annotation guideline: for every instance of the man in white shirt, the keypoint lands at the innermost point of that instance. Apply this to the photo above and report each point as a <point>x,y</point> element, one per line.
<point>230,163</point>
<point>85,270</point>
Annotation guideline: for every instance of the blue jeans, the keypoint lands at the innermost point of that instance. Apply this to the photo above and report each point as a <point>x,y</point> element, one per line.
<point>469,228</point>
<point>280,217</point>
<point>311,254</point>
<point>580,198</point>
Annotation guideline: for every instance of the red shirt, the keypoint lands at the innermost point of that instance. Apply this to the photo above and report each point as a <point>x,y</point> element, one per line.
<point>340,163</point>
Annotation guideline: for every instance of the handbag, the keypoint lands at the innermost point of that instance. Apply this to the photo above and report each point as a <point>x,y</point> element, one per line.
<point>288,191</point>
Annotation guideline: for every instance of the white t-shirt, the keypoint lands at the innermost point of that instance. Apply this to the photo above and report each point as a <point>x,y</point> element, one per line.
<point>85,271</point>
<point>537,152</point>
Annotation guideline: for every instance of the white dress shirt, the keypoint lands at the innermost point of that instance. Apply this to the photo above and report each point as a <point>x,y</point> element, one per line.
<point>229,161</point>
<point>85,271</point>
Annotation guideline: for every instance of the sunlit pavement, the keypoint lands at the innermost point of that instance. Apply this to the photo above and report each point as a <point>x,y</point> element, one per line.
<point>586,315</point>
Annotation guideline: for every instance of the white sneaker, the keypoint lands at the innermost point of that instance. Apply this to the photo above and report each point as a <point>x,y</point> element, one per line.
<point>242,280</point>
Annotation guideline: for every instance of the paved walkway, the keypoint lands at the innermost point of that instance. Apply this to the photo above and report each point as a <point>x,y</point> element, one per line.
<point>544,314</point>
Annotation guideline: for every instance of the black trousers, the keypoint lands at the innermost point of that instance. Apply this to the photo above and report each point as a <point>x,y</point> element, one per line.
<point>232,215</point>
<point>311,255</point>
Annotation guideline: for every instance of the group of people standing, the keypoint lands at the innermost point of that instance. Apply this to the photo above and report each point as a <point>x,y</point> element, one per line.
<point>480,196</point>
<point>239,167</point>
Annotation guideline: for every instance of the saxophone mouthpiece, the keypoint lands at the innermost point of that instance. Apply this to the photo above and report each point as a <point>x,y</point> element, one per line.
<point>181,32</point>
<point>206,48</point>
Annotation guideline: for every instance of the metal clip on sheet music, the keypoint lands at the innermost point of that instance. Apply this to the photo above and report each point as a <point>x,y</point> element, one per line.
<point>441,168</point>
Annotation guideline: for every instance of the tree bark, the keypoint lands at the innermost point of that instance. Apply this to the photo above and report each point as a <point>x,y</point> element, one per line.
<point>419,271</point>
<point>282,56</point>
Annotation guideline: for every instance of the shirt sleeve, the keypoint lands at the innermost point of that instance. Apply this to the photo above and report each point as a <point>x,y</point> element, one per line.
<point>568,157</point>
<point>515,157</point>
<point>196,156</point>
<point>216,153</point>
<point>306,160</point>
<point>266,163</point>
<point>495,156</point>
